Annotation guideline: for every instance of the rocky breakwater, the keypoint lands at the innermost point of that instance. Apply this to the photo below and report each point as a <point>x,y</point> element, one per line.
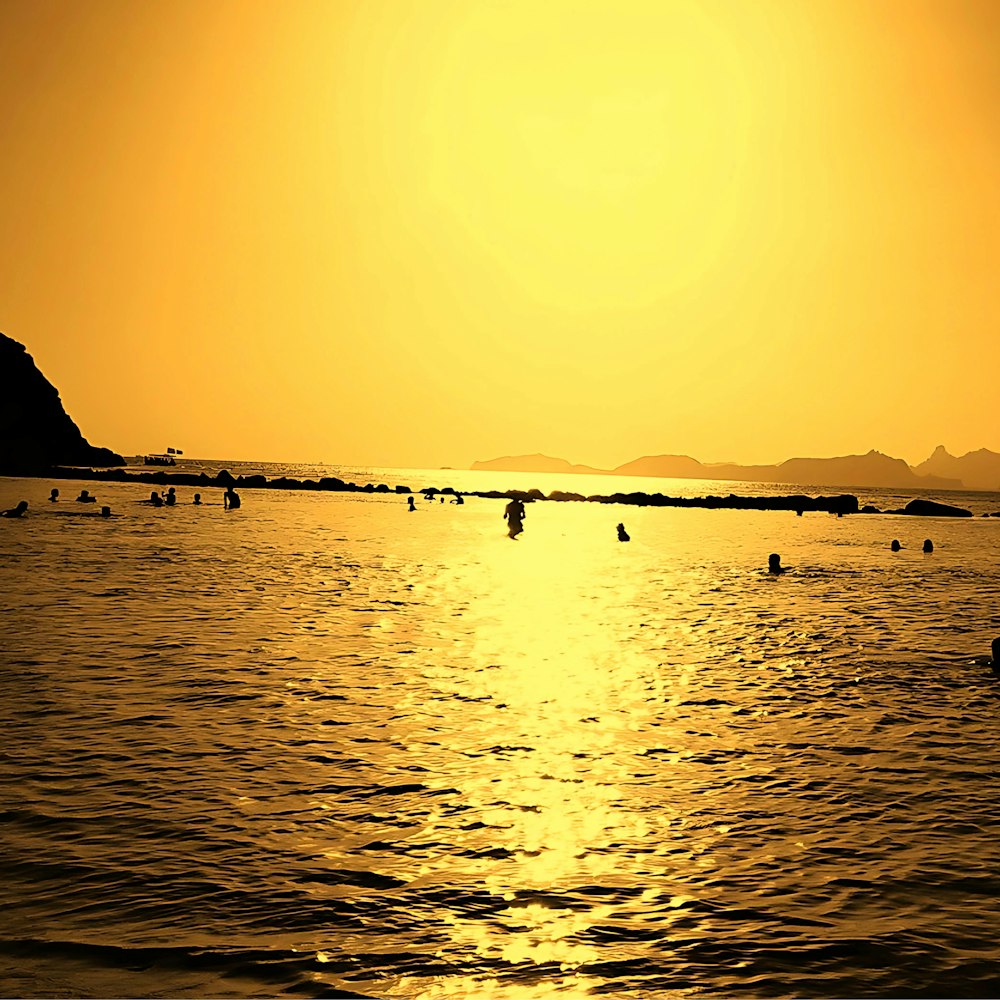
<point>222,480</point>
<point>36,432</point>
<point>840,504</point>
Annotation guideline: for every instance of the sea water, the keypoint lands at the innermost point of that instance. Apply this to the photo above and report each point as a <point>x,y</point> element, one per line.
<point>325,746</point>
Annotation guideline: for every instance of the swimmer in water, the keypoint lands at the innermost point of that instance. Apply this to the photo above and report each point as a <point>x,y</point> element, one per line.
<point>895,546</point>
<point>54,495</point>
<point>623,535</point>
<point>410,504</point>
<point>105,512</point>
<point>171,498</point>
<point>928,545</point>
<point>19,511</point>
<point>774,564</point>
<point>85,497</point>
<point>514,515</point>
<point>230,499</point>
<point>197,499</point>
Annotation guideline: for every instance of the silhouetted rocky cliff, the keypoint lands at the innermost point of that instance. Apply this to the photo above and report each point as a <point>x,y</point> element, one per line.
<point>35,430</point>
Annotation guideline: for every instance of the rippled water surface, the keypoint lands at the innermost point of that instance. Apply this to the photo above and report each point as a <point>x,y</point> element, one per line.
<point>323,746</point>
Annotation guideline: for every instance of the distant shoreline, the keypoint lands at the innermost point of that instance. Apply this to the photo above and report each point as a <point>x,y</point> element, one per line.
<point>839,504</point>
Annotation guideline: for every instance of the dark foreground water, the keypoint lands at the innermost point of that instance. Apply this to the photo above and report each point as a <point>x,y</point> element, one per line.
<point>322,746</point>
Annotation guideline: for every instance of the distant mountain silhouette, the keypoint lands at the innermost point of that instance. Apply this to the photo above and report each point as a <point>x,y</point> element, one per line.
<point>663,466</point>
<point>36,432</point>
<point>871,470</point>
<point>535,463</point>
<point>978,470</point>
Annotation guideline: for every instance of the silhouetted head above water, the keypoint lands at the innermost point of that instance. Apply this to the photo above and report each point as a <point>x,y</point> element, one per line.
<point>895,546</point>
<point>774,563</point>
<point>928,545</point>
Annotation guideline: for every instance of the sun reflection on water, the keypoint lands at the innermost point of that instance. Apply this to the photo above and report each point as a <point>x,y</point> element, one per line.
<point>553,687</point>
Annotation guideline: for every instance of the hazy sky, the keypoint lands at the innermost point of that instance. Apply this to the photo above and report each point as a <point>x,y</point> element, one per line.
<point>421,233</point>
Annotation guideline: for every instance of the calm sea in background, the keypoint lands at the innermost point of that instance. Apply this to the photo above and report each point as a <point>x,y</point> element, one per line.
<point>323,746</point>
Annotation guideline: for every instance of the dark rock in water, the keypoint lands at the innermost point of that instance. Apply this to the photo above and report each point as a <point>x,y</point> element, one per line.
<point>253,482</point>
<point>331,483</point>
<point>224,478</point>
<point>930,508</point>
<point>870,509</point>
<point>36,432</point>
<point>563,495</point>
<point>400,488</point>
<point>382,488</point>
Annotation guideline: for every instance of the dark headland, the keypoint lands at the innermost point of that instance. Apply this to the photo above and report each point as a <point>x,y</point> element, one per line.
<point>36,432</point>
<point>38,438</point>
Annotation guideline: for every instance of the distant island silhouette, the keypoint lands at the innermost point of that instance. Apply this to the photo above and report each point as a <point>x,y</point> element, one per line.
<point>978,470</point>
<point>38,437</point>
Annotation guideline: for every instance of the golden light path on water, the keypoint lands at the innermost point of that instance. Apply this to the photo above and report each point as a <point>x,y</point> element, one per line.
<point>401,754</point>
<point>568,696</point>
<point>545,688</point>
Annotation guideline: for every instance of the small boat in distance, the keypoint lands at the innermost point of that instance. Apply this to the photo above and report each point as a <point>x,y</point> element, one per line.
<point>162,459</point>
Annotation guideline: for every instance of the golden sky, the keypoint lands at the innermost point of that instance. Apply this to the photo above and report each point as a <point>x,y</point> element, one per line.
<point>424,232</point>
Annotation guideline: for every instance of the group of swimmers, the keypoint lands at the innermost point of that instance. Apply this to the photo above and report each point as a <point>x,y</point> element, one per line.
<point>22,507</point>
<point>411,504</point>
<point>230,501</point>
<point>774,560</point>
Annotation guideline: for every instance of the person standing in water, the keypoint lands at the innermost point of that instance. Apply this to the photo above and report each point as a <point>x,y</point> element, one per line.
<point>230,499</point>
<point>514,515</point>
